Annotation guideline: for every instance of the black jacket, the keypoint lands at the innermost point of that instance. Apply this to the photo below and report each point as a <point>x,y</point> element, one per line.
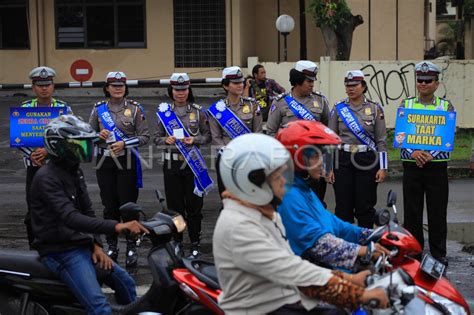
<point>61,213</point>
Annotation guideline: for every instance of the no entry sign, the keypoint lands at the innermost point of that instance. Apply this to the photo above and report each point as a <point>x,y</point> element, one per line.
<point>81,70</point>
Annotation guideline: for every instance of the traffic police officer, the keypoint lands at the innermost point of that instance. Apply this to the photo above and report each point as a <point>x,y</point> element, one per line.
<point>43,86</point>
<point>178,176</point>
<point>425,172</point>
<point>362,158</point>
<point>302,79</point>
<point>245,108</point>
<point>118,180</point>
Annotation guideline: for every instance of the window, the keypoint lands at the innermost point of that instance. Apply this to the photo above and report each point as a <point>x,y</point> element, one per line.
<point>100,24</point>
<point>199,33</point>
<point>13,25</point>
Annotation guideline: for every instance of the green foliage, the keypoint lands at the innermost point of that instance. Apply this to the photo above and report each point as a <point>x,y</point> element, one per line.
<point>329,12</point>
<point>468,7</point>
<point>463,142</point>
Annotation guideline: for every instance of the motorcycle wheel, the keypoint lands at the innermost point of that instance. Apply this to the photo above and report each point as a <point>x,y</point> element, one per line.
<point>11,305</point>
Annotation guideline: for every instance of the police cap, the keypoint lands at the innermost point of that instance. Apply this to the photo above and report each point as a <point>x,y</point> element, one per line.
<point>116,78</point>
<point>353,77</point>
<point>234,74</point>
<point>426,70</point>
<point>42,75</point>
<point>308,68</point>
<point>179,81</point>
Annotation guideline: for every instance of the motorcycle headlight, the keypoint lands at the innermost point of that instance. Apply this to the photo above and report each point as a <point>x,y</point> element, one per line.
<point>179,222</point>
<point>452,307</point>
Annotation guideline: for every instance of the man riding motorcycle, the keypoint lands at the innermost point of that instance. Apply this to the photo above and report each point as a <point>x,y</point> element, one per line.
<point>64,225</point>
<point>313,232</point>
<point>257,270</point>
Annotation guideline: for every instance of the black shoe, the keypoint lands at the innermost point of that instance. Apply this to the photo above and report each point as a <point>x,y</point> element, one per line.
<point>195,251</point>
<point>113,252</point>
<point>131,259</point>
<point>443,260</point>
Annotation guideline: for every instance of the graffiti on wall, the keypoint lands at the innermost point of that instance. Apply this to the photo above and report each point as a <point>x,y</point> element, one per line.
<point>391,87</point>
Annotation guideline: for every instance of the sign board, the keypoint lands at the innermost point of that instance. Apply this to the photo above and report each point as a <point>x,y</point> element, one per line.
<point>81,70</point>
<point>421,129</point>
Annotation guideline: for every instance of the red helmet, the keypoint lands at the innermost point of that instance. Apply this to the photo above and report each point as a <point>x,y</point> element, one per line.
<point>304,134</point>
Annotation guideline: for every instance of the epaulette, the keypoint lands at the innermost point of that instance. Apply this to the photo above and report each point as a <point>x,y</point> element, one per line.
<point>248,98</point>
<point>280,96</point>
<point>373,102</point>
<point>317,93</point>
<point>341,101</point>
<point>410,97</point>
<point>61,102</point>
<point>132,102</point>
<point>26,103</point>
<point>196,106</point>
<point>100,103</point>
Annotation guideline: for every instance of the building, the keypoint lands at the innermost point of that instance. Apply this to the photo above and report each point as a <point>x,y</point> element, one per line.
<point>153,38</point>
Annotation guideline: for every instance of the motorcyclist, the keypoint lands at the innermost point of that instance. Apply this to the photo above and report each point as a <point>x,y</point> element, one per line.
<point>64,225</point>
<point>315,233</point>
<point>257,270</point>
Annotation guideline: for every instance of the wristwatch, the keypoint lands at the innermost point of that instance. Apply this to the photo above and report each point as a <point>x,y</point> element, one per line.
<point>368,255</point>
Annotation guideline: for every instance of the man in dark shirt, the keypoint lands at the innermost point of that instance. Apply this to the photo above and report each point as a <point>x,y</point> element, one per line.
<point>262,89</point>
<point>66,231</point>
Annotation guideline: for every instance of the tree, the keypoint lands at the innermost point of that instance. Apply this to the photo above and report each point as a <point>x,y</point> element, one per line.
<point>337,24</point>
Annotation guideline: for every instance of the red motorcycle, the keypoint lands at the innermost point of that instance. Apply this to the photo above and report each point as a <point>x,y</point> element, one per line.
<point>433,288</point>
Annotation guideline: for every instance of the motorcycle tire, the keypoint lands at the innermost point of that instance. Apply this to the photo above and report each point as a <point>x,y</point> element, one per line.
<point>11,305</point>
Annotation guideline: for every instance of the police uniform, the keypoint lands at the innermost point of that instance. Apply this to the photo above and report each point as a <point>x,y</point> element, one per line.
<point>39,76</point>
<point>178,176</point>
<point>431,179</point>
<point>281,114</point>
<point>247,110</point>
<point>356,165</point>
<point>117,180</point>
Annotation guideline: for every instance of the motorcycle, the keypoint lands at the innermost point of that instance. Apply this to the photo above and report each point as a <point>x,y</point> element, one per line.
<point>433,288</point>
<point>179,286</point>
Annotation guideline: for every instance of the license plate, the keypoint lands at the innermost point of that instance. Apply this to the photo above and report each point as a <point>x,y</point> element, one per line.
<point>432,267</point>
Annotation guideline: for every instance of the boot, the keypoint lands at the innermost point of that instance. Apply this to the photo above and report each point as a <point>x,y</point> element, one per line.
<point>112,250</point>
<point>131,258</point>
<point>195,251</point>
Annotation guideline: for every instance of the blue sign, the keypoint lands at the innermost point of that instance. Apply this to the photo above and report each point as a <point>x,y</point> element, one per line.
<point>421,129</point>
<point>27,124</point>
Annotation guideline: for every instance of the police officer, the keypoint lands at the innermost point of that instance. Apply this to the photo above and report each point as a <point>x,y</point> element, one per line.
<point>43,86</point>
<point>178,176</point>
<point>302,79</point>
<point>118,180</point>
<point>362,158</point>
<point>425,172</point>
<point>245,108</point>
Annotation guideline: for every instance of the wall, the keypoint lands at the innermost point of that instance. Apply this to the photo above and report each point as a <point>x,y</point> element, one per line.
<point>383,30</point>
<point>156,60</point>
<point>250,31</point>
<point>389,82</point>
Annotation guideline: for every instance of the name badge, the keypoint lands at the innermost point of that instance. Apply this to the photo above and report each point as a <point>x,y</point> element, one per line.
<point>111,138</point>
<point>178,133</point>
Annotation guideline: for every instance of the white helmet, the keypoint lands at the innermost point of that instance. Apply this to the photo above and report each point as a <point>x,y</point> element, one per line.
<point>245,164</point>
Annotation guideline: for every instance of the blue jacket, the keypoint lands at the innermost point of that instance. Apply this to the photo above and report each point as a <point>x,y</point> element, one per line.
<point>306,220</point>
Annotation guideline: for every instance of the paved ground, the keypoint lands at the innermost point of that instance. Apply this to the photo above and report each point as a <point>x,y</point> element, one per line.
<point>12,232</point>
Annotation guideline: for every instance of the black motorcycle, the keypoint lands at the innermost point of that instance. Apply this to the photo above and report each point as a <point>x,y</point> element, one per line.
<point>28,287</point>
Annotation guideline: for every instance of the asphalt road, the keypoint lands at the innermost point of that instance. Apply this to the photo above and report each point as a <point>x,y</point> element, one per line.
<point>13,206</point>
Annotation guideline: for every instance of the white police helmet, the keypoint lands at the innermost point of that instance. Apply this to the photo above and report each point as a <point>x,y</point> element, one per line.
<point>247,161</point>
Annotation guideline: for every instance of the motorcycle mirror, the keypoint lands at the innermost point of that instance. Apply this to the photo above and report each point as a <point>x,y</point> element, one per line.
<point>391,198</point>
<point>130,211</point>
<point>382,217</point>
